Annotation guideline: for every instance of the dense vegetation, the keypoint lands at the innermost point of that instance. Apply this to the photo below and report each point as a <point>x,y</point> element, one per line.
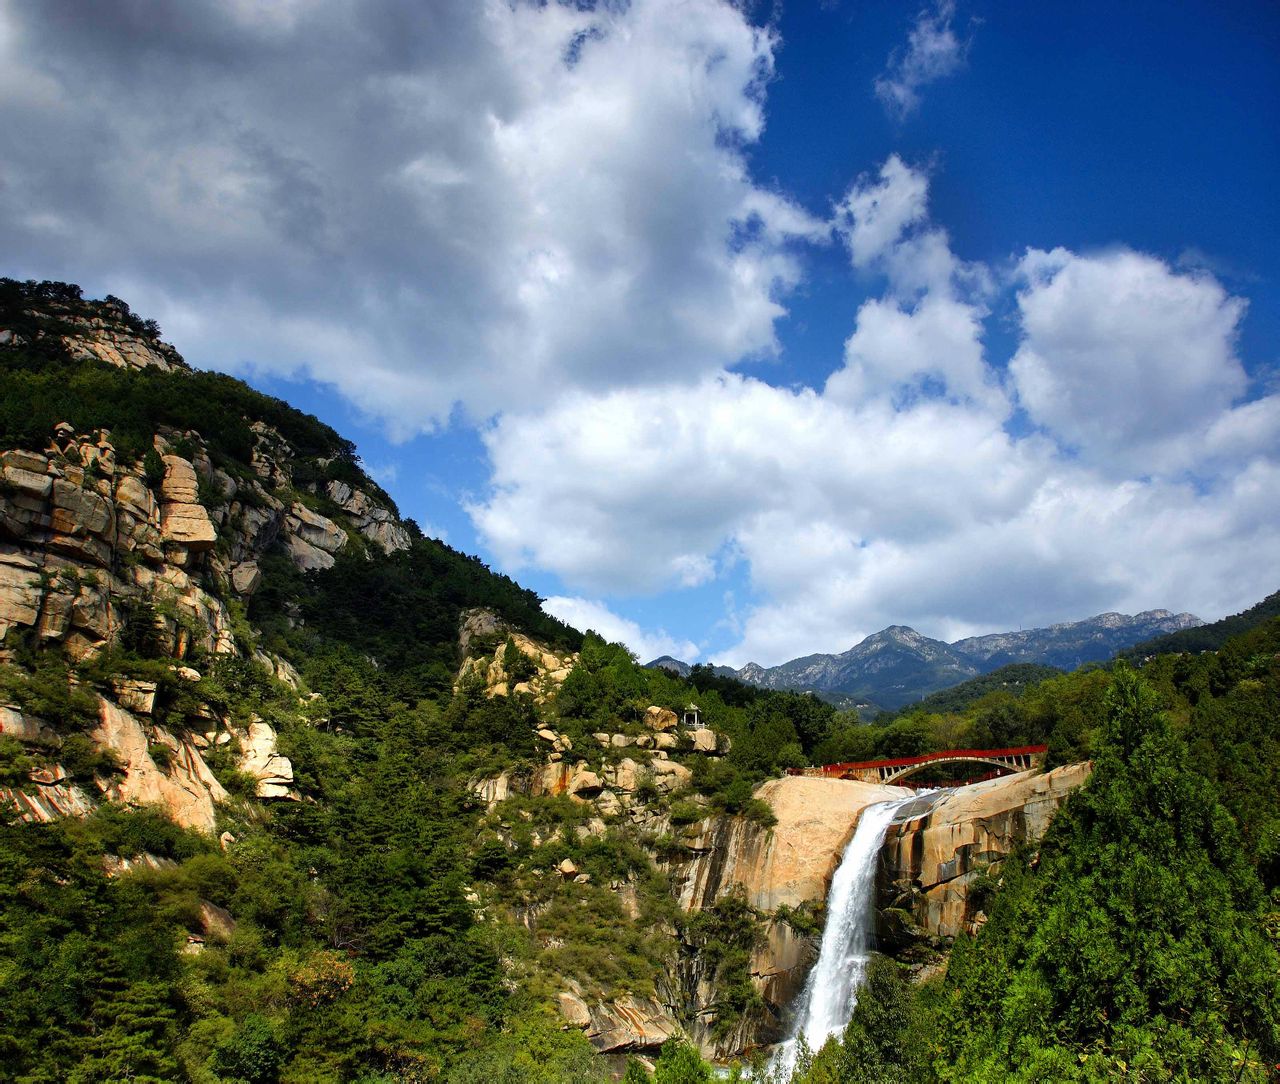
<point>1143,939</point>
<point>381,929</point>
<point>1208,637</point>
<point>1014,679</point>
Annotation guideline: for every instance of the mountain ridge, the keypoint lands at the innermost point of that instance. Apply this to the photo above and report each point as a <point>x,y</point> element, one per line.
<point>893,667</point>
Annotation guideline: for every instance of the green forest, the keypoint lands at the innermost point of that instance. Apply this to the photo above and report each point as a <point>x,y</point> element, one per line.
<point>369,932</point>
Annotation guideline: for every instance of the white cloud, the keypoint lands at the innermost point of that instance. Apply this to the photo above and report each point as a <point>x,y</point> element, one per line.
<point>873,216</point>
<point>587,614</point>
<point>898,494</point>
<point>1125,360</point>
<point>475,201</point>
<point>925,336</point>
<point>933,51</point>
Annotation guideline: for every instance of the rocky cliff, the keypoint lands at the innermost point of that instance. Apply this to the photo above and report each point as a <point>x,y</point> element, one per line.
<point>932,855</point>
<point>938,848</point>
<point>156,546</point>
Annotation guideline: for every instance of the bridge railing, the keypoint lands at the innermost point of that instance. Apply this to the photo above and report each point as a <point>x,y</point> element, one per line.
<point>924,758</point>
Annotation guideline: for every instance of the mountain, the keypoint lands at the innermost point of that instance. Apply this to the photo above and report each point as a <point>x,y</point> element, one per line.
<point>889,668</point>
<point>896,666</point>
<point>1073,643</point>
<point>675,666</point>
<point>1209,637</point>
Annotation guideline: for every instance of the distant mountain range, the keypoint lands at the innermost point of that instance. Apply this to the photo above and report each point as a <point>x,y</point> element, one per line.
<point>898,665</point>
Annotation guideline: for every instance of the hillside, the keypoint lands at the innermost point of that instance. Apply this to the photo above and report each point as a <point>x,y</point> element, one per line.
<point>293,793</point>
<point>1014,679</point>
<point>1208,637</point>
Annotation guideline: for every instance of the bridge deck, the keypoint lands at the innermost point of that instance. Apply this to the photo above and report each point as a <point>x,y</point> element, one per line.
<point>943,756</point>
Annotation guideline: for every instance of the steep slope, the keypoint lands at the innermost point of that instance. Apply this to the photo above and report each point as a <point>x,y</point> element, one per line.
<point>1014,678</point>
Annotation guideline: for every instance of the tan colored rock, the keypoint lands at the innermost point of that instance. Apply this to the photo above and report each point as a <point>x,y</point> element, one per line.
<point>791,863</point>
<point>315,529</point>
<point>669,776</point>
<point>548,735</point>
<point>136,695</point>
<point>933,858</point>
<point>14,723</point>
<point>567,868</point>
<point>584,783</point>
<point>187,789</point>
<point>48,804</point>
<point>180,485</point>
<point>574,1010</point>
<point>260,759</point>
<point>665,741</point>
<point>621,741</point>
<point>704,740</point>
<point>660,719</point>
<point>626,775</point>
<point>188,525</point>
<point>630,1024</point>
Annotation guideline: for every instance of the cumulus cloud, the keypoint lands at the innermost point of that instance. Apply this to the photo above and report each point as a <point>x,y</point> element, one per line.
<point>584,614</point>
<point>933,51</point>
<point>1126,361</point>
<point>468,202</point>
<point>924,337</point>
<point>901,493</point>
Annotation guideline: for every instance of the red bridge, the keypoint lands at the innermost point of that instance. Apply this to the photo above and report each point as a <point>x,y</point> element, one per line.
<point>890,771</point>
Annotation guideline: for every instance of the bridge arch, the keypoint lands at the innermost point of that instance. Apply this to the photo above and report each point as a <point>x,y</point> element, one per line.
<point>1020,759</point>
<point>895,774</point>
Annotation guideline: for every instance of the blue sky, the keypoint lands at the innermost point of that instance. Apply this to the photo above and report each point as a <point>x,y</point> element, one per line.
<point>737,337</point>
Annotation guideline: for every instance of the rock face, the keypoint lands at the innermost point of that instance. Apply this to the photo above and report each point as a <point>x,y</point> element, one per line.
<point>543,671</point>
<point>932,857</point>
<point>793,862</point>
<point>787,866</point>
<point>96,549</point>
<point>929,860</point>
<point>259,757</point>
<point>186,788</point>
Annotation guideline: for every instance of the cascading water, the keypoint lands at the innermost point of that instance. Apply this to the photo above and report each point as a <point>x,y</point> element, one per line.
<point>829,995</point>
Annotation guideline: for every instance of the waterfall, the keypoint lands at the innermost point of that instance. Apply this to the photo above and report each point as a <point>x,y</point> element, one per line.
<point>831,991</point>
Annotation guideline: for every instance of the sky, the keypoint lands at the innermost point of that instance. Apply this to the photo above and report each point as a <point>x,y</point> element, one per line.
<point>736,331</point>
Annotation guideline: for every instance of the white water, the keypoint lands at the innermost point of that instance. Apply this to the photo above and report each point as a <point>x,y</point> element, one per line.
<point>831,992</point>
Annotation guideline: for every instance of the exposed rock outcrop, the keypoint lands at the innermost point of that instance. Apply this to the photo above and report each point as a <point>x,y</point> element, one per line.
<point>260,759</point>
<point>539,672</point>
<point>185,787</point>
<point>932,857</point>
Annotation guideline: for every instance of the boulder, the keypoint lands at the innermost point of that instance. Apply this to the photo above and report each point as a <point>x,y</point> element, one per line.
<point>188,525</point>
<point>14,723</point>
<point>668,775</point>
<point>574,1010</point>
<point>246,577</point>
<point>584,783</point>
<point>704,740</point>
<point>660,719</point>
<point>260,759</point>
